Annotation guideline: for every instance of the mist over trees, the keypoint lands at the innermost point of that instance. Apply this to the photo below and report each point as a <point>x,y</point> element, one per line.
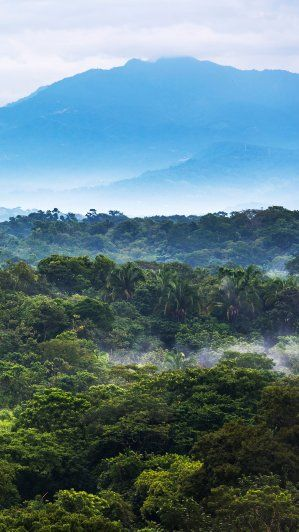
<point>146,396</point>
<point>155,393</point>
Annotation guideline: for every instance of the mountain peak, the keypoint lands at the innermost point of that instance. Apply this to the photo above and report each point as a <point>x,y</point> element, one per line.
<point>105,125</point>
<point>173,62</point>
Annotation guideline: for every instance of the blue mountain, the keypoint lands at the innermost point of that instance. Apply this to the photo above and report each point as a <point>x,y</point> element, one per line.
<point>113,124</point>
<point>228,163</point>
<point>225,176</point>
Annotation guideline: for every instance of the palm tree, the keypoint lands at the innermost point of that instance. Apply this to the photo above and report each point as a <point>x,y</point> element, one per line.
<point>176,296</point>
<point>122,280</point>
<point>239,290</point>
<point>175,360</point>
<point>274,288</point>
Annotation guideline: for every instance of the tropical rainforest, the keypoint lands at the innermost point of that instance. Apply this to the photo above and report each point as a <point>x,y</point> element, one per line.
<point>154,395</point>
<point>268,238</point>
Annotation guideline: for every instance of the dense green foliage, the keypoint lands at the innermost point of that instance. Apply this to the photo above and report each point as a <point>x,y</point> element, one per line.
<point>147,397</point>
<point>267,238</point>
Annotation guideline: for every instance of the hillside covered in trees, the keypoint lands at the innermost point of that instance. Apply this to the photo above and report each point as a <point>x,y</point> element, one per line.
<point>146,396</point>
<point>268,238</point>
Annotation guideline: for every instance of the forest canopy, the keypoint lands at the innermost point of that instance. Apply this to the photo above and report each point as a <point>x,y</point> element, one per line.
<point>268,238</point>
<point>149,372</point>
<point>147,396</point>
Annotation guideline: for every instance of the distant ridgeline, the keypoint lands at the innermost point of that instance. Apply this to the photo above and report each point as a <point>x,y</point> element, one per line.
<point>268,238</point>
<point>176,128</point>
<point>147,115</point>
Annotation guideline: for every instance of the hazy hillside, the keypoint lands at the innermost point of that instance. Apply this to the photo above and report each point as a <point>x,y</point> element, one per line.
<point>225,176</point>
<point>230,162</point>
<point>119,123</point>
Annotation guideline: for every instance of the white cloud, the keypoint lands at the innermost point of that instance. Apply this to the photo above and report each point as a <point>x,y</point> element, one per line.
<point>44,40</point>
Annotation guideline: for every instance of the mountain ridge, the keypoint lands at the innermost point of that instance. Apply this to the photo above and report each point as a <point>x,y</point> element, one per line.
<point>104,126</point>
<point>222,177</point>
<point>139,62</point>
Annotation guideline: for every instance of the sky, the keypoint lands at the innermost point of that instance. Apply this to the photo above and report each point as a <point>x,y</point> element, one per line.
<point>42,41</point>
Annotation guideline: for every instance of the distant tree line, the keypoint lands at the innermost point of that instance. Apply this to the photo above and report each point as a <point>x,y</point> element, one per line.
<point>269,238</point>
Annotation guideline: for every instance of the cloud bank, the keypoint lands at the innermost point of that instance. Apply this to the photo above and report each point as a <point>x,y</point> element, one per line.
<point>45,40</point>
